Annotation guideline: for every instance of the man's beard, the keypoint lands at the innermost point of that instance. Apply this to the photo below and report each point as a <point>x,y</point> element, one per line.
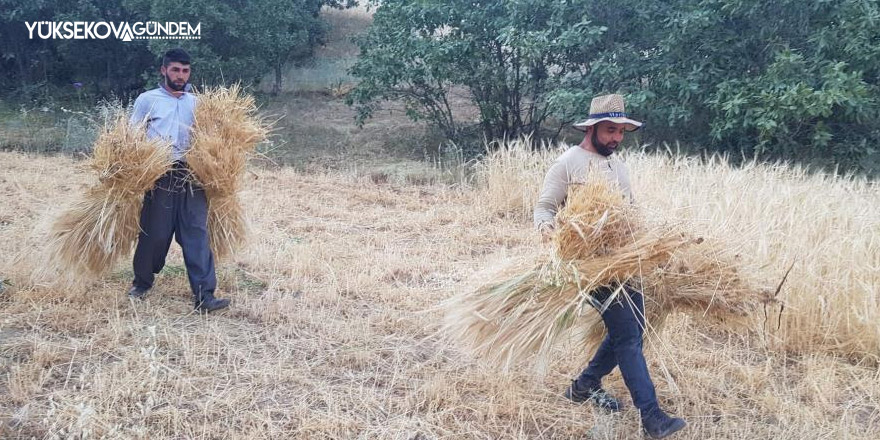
<point>601,148</point>
<point>174,86</point>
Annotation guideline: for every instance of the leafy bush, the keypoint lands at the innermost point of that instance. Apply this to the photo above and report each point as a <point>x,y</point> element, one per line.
<point>786,79</point>
<point>239,41</point>
<point>507,57</point>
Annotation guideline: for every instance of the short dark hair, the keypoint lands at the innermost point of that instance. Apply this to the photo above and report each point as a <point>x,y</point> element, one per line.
<point>175,55</point>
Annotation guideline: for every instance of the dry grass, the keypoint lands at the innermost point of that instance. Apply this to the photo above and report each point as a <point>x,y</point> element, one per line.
<point>102,226</point>
<point>600,240</point>
<point>225,133</point>
<point>332,333</point>
<point>775,218</point>
<point>533,309</point>
<point>705,279</point>
<point>596,220</point>
<point>511,177</point>
<point>767,219</point>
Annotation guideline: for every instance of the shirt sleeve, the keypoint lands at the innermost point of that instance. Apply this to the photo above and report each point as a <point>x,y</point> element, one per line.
<point>552,195</point>
<point>139,111</point>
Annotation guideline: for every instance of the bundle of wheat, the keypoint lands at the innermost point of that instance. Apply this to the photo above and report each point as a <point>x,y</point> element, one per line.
<point>102,226</point>
<point>536,307</point>
<point>595,220</point>
<point>705,278</point>
<point>226,131</point>
<point>700,278</point>
<point>599,241</point>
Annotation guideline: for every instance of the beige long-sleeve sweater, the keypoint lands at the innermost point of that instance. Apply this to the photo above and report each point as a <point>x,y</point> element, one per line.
<point>573,166</point>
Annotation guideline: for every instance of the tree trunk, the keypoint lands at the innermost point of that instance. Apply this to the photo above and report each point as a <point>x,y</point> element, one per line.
<point>110,83</point>
<point>22,72</point>
<point>276,88</point>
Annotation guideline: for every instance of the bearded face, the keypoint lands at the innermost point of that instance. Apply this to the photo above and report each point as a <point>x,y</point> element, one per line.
<point>605,149</point>
<point>606,136</point>
<point>176,75</point>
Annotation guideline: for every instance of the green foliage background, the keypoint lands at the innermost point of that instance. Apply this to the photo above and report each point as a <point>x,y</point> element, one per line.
<point>788,79</point>
<point>240,41</point>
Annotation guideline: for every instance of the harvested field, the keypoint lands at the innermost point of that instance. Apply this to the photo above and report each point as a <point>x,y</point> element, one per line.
<point>334,327</point>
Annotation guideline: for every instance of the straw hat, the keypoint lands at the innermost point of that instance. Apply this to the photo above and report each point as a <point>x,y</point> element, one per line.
<point>608,108</point>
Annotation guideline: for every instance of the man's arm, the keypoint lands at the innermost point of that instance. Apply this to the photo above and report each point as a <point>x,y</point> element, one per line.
<point>139,112</point>
<point>552,195</point>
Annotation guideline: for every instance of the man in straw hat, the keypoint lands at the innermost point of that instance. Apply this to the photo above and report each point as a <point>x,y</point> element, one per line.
<point>624,319</point>
<point>176,206</point>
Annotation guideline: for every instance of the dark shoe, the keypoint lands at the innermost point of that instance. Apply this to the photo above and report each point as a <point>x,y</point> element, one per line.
<point>209,303</point>
<point>138,293</point>
<point>659,425</point>
<point>595,395</point>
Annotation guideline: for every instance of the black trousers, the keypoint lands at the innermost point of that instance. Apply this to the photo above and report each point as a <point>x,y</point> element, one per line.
<point>176,207</point>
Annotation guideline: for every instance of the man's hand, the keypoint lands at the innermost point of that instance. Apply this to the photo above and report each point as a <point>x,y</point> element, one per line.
<point>546,230</point>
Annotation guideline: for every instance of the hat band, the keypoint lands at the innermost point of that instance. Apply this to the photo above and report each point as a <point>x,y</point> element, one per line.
<point>608,115</point>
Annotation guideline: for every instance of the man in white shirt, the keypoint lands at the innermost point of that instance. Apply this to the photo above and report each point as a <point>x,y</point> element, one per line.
<point>624,319</point>
<point>177,206</point>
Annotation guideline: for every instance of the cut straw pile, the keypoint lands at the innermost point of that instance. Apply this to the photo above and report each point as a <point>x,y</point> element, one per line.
<point>226,131</point>
<point>103,225</point>
<point>599,241</point>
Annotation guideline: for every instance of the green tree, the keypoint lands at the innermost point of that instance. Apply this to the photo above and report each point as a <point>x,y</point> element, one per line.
<point>239,41</point>
<point>103,66</point>
<point>507,56</point>
<point>785,79</point>
<point>289,30</point>
<point>19,55</point>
